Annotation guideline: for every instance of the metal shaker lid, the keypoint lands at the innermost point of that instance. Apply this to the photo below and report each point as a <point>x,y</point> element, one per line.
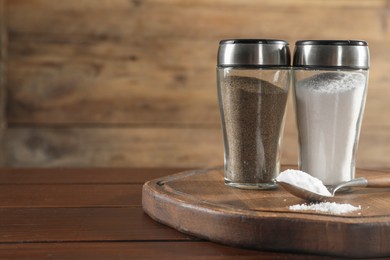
<point>348,54</point>
<point>253,53</point>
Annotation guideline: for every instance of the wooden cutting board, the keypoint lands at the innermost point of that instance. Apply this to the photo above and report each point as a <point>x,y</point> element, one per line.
<point>199,203</point>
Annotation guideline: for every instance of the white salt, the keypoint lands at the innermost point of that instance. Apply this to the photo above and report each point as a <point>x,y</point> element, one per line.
<point>303,180</point>
<point>329,108</point>
<point>326,207</point>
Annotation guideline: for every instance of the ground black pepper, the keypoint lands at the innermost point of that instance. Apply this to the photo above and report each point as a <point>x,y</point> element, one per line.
<point>252,117</point>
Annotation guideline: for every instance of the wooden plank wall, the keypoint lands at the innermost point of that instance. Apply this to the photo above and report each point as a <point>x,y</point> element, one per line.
<point>132,83</point>
<point>3,57</point>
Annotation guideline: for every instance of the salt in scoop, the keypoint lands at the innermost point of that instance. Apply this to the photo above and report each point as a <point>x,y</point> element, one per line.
<point>305,186</point>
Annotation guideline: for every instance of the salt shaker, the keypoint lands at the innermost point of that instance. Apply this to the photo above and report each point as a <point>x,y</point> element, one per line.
<point>253,82</point>
<point>329,89</point>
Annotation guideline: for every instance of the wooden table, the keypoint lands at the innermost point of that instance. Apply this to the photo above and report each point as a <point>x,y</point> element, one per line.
<point>95,214</point>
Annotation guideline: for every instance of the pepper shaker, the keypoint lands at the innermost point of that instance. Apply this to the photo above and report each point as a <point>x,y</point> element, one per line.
<point>253,82</point>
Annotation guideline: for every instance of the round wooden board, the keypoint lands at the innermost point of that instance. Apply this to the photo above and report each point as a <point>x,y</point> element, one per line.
<point>199,203</point>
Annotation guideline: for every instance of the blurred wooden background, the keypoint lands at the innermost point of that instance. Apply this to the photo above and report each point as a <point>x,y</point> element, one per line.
<point>132,82</point>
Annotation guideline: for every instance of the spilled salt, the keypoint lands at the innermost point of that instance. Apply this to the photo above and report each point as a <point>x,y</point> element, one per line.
<point>303,180</point>
<point>326,207</point>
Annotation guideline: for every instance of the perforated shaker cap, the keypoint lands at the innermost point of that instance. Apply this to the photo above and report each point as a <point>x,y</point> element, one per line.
<point>253,53</point>
<point>349,54</point>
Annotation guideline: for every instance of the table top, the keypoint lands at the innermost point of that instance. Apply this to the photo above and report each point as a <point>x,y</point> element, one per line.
<point>96,213</point>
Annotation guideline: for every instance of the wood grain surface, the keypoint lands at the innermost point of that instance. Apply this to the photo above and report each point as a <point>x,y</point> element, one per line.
<point>199,203</point>
<point>3,65</point>
<point>142,250</point>
<point>117,146</point>
<point>154,147</point>
<point>12,176</point>
<point>41,218</point>
<point>148,68</point>
<point>3,59</point>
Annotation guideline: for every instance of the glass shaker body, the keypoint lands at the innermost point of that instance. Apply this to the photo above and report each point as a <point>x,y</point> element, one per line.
<point>252,102</point>
<point>329,101</point>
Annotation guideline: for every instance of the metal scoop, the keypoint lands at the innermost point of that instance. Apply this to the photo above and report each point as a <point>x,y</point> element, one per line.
<point>371,182</point>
